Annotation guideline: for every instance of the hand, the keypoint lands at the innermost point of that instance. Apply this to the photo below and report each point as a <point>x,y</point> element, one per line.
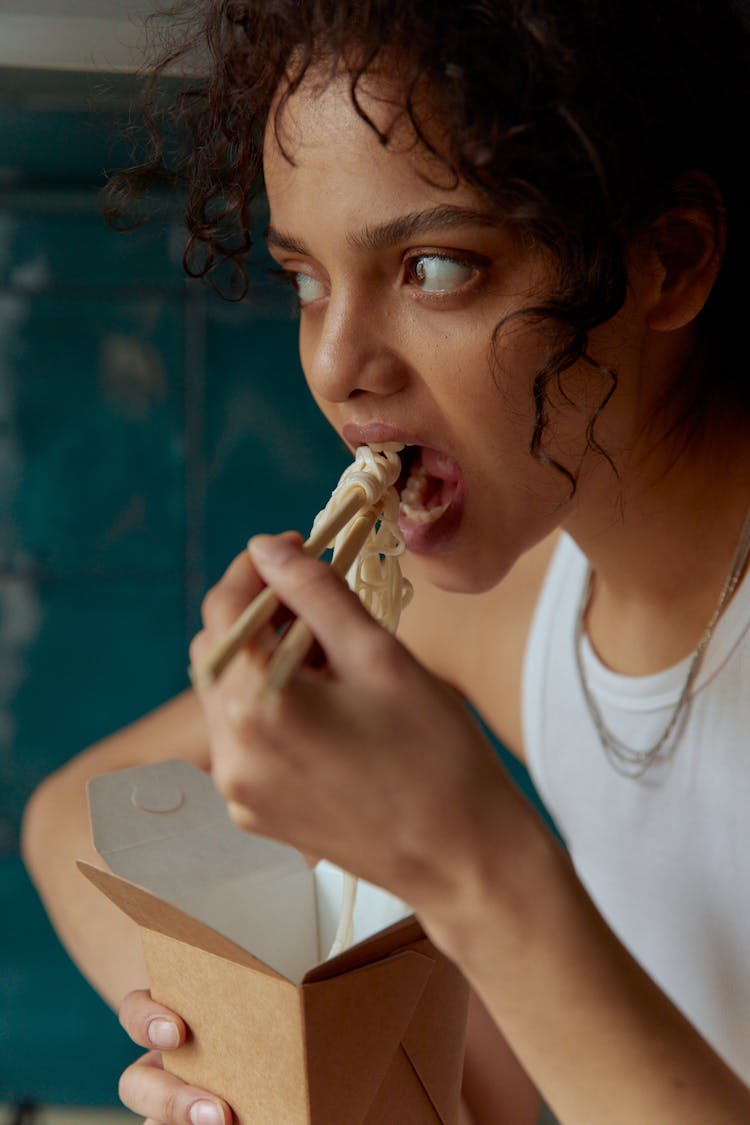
<point>145,1087</point>
<point>370,761</point>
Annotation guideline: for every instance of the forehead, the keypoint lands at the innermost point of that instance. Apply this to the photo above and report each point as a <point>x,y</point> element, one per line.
<point>317,142</point>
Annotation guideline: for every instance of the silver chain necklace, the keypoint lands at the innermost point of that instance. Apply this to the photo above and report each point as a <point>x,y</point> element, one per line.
<point>626,759</point>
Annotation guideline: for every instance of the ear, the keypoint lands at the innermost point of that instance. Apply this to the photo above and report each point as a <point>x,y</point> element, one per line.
<point>688,242</point>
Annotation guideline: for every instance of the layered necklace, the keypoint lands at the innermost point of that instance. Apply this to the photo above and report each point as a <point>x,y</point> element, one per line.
<point>626,759</point>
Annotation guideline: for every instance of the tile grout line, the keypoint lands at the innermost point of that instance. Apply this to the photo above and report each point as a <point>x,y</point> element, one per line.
<point>195,455</point>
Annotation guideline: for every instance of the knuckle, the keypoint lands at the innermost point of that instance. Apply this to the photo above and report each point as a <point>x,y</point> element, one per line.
<point>197,648</point>
<point>224,601</point>
<point>243,817</point>
<point>224,779</point>
<point>241,717</point>
<point>256,721</point>
<point>210,605</point>
<point>304,577</point>
<point>132,1017</point>
<point>249,795</point>
<point>173,1107</point>
<point>240,792</point>
<point>127,1086</point>
<point>380,654</point>
<point>232,784</point>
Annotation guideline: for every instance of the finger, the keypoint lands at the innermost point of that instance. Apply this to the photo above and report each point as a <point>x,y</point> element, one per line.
<point>225,601</point>
<point>150,1024</point>
<point>227,626</point>
<point>317,595</point>
<point>151,1092</point>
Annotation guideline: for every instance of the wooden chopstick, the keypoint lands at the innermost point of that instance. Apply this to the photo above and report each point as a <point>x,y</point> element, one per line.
<point>262,608</point>
<point>298,639</point>
<point>324,534</point>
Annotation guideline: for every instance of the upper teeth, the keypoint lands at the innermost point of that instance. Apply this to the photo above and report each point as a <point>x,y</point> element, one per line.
<point>386,446</point>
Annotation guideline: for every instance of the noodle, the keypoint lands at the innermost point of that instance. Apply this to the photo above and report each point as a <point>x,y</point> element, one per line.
<point>375,576</point>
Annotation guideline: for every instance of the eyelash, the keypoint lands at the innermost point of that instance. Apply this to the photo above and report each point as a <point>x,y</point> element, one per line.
<point>289,277</point>
<point>464,262</point>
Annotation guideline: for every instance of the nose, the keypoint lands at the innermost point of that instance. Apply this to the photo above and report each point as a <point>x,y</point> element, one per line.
<point>348,351</point>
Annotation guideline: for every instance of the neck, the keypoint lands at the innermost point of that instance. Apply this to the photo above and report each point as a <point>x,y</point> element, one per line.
<point>660,542</point>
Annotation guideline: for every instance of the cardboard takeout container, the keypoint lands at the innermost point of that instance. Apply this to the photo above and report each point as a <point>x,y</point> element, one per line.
<point>236,929</point>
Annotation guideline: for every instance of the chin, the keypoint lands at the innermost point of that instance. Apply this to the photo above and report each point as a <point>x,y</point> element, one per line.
<point>456,576</point>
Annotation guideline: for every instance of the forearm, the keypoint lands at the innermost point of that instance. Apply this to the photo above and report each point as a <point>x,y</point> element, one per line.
<point>600,1040</point>
<point>102,941</point>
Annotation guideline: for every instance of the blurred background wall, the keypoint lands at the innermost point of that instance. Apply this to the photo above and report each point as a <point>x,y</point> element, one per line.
<point>146,430</point>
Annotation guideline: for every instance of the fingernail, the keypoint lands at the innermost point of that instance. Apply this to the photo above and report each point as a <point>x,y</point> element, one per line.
<point>163,1034</point>
<point>206,1113</point>
<point>272,550</point>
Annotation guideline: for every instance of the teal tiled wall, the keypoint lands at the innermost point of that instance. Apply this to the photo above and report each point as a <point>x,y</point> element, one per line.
<point>146,429</point>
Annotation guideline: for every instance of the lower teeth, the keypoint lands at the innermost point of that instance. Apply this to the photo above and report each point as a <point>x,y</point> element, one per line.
<point>412,504</point>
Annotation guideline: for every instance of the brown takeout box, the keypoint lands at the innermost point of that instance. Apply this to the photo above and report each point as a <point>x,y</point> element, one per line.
<point>236,929</point>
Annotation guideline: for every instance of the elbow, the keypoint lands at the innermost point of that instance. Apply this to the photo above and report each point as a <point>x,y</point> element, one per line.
<point>32,838</point>
<point>40,827</point>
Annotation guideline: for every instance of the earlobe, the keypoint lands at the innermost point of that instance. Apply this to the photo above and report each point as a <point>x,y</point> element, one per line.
<point>689,244</point>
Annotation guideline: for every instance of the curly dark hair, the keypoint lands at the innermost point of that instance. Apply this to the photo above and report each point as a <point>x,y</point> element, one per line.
<point>580,120</point>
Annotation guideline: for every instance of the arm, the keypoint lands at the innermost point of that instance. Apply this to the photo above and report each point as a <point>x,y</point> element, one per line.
<point>599,1038</point>
<point>409,795</point>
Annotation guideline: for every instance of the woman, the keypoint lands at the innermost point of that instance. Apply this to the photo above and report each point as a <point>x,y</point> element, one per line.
<point>515,231</point>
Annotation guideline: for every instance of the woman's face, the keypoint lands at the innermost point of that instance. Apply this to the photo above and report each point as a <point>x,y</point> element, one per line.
<point>402,278</point>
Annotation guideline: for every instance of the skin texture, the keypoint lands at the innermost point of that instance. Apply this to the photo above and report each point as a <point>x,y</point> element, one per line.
<point>396,324</point>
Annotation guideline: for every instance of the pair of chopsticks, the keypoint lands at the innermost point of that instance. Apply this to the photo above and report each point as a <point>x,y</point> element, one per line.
<point>295,644</point>
<point>349,522</point>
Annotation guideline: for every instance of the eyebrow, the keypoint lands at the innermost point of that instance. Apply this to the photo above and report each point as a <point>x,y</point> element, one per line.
<point>394,231</point>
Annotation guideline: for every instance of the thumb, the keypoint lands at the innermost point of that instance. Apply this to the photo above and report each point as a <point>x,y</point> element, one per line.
<point>316,594</point>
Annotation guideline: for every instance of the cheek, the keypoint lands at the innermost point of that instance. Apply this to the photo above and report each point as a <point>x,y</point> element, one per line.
<point>330,411</point>
<point>307,340</point>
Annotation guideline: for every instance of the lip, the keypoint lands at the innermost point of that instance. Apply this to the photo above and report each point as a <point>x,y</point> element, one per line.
<point>419,538</point>
<point>375,433</point>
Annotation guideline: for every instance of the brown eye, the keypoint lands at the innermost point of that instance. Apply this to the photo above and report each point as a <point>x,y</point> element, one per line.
<point>435,273</point>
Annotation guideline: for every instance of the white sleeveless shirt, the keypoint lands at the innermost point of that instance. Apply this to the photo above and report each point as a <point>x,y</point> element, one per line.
<point>666,858</point>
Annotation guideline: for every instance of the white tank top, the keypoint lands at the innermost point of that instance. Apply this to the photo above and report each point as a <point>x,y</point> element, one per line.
<point>666,858</point>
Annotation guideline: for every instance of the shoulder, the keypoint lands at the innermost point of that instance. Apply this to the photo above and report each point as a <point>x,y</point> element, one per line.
<point>477,641</point>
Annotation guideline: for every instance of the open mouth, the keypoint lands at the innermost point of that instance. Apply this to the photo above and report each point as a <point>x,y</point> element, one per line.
<point>428,485</point>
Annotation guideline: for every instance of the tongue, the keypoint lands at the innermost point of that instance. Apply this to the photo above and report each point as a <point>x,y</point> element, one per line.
<point>442,477</point>
<point>440,465</point>
<point>433,496</point>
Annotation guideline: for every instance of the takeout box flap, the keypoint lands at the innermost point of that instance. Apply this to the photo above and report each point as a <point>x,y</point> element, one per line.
<point>153,913</point>
<point>354,1025</point>
<point>438,1058</point>
<point>165,829</point>
<point>385,942</point>
<point>420,1082</point>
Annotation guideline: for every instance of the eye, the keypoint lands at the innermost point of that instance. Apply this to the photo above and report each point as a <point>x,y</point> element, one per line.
<point>307,288</point>
<point>437,273</point>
